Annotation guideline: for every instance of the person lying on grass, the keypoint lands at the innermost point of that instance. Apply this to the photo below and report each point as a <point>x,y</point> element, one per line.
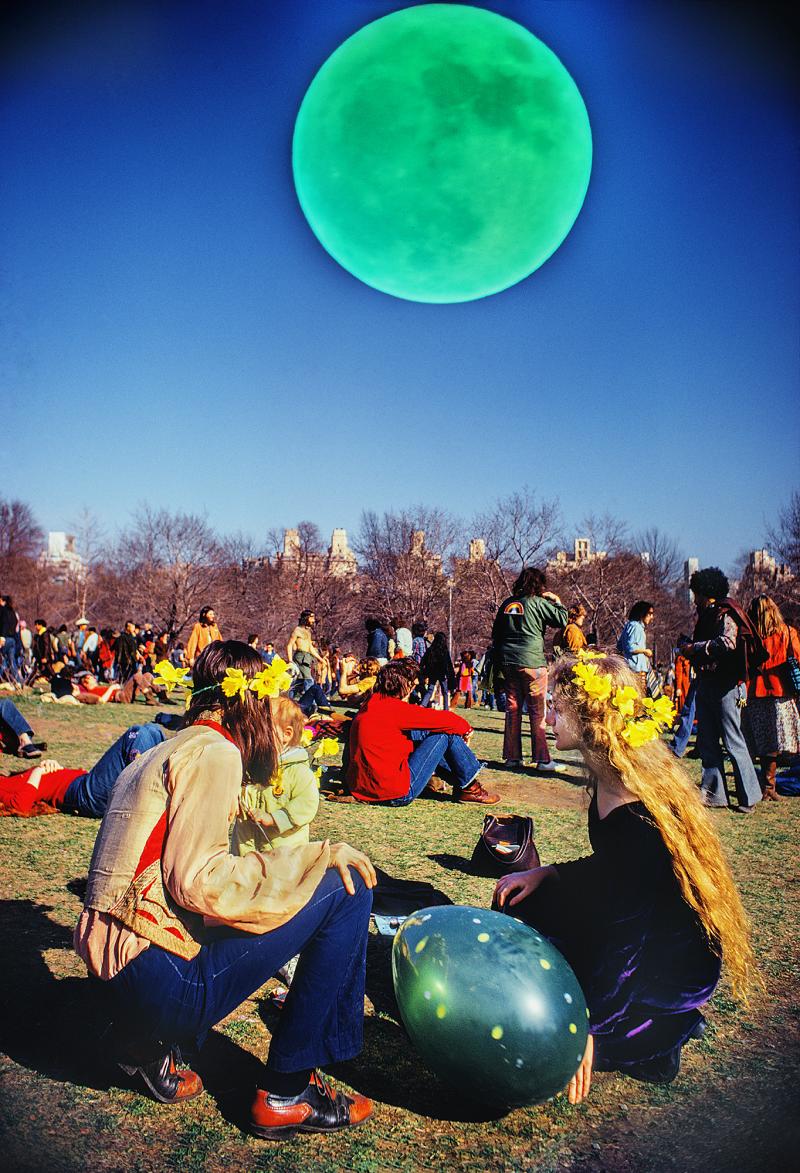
<point>646,919</point>
<point>396,747</point>
<point>50,787</point>
<point>182,931</point>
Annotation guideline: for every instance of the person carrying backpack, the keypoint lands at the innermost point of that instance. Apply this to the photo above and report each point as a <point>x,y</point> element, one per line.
<point>725,650</point>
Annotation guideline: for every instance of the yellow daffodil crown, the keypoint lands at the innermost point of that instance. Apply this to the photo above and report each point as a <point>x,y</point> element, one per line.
<point>271,681</point>
<point>644,718</point>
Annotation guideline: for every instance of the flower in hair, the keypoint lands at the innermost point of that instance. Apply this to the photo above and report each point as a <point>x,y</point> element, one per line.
<point>169,677</point>
<point>662,711</point>
<point>234,683</point>
<point>638,733</point>
<point>595,684</point>
<point>625,700</point>
<point>583,654</point>
<point>272,680</point>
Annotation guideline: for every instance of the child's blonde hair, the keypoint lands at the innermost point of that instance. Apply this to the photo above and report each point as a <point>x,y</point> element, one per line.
<point>287,714</point>
<point>653,774</point>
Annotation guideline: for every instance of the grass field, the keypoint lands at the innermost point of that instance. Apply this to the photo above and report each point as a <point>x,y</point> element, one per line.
<point>63,1107</point>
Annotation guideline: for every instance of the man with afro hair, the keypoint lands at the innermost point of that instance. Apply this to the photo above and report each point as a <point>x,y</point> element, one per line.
<point>724,649</point>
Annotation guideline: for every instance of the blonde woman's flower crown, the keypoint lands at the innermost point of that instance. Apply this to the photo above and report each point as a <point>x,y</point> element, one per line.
<point>645,718</point>
<point>271,681</point>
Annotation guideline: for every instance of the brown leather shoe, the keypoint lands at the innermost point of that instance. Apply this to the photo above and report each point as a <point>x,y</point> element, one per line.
<point>317,1109</point>
<point>165,1083</point>
<point>475,793</point>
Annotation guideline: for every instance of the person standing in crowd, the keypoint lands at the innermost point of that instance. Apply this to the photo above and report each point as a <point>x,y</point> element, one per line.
<point>65,650</point>
<point>9,623</point>
<point>772,718</point>
<point>42,648</point>
<point>204,632</point>
<point>632,642</point>
<point>302,652</point>
<point>466,673</point>
<point>723,652</point>
<point>268,652</point>
<point>377,641</point>
<point>91,643</point>
<point>126,653</point>
<point>79,639</point>
<point>518,641</point>
<point>437,669</point>
<point>26,646</point>
<point>574,637</point>
<point>419,644</point>
<point>404,640</point>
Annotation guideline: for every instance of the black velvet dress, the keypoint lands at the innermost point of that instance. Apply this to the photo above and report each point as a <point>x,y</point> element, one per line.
<point>638,950</point>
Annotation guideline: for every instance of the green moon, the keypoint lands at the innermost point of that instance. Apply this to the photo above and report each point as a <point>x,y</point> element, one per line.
<point>442,153</point>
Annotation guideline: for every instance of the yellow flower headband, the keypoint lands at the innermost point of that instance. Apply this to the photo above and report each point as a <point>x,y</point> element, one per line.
<point>645,718</point>
<point>270,682</point>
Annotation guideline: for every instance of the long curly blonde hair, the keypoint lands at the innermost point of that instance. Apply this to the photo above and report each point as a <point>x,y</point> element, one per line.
<point>653,774</point>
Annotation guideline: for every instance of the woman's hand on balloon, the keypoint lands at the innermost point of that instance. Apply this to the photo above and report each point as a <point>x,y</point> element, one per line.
<point>578,1086</point>
<point>510,890</point>
<point>344,857</point>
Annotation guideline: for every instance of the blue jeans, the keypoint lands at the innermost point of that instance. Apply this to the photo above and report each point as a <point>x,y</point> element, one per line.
<point>11,717</point>
<point>686,724</point>
<point>426,700</point>
<point>719,721</point>
<point>179,1001</point>
<point>446,752</point>
<point>311,699</point>
<point>9,658</point>
<point>89,795</point>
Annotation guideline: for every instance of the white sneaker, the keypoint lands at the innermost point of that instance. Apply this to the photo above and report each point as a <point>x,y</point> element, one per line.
<point>549,767</point>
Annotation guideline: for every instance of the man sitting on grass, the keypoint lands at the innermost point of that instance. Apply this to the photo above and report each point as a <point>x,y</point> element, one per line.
<point>395,747</point>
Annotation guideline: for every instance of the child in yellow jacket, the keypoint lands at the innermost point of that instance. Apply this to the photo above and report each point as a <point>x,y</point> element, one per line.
<point>278,813</point>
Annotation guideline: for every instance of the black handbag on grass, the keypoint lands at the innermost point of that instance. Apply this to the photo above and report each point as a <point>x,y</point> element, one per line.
<point>505,845</point>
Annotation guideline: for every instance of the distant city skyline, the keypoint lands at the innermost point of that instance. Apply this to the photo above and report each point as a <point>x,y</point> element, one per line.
<point>173,333</point>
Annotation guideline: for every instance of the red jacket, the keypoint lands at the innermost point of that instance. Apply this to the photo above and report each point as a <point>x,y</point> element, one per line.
<point>771,679</point>
<point>379,749</point>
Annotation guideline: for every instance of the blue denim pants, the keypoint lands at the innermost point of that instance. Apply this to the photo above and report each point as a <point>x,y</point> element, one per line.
<point>686,723</point>
<point>719,722</point>
<point>446,752</point>
<point>12,719</point>
<point>89,795</point>
<point>322,1021</point>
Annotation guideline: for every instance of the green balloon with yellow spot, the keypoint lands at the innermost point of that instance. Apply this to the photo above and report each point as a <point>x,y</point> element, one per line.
<point>489,1003</point>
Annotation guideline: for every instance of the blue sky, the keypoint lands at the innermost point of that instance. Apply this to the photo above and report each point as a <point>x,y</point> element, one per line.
<point>168,319</point>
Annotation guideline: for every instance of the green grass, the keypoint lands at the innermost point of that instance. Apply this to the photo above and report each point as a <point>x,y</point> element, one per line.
<point>62,1107</point>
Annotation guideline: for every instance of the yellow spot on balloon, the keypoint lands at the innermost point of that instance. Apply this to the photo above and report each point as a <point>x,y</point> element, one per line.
<point>420,945</point>
<point>441,1010</point>
<point>483,937</point>
<point>588,1015</point>
<point>497,1032</point>
<point>573,1030</point>
<point>545,964</point>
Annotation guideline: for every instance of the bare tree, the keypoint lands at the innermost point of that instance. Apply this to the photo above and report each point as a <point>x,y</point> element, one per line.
<point>783,536</point>
<point>518,530</point>
<point>664,559</point>
<point>405,560</point>
<point>168,565</point>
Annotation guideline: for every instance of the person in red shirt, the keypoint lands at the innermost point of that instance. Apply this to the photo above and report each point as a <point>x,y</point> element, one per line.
<point>50,787</point>
<point>772,712</point>
<point>396,747</point>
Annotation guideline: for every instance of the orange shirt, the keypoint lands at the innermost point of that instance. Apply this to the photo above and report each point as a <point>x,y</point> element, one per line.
<point>771,679</point>
<point>202,635</point>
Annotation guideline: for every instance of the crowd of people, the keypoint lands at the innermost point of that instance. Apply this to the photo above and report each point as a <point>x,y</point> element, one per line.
<point>205,881</point>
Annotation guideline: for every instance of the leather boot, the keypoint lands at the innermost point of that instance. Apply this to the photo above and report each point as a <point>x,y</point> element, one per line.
<point>769,767</point>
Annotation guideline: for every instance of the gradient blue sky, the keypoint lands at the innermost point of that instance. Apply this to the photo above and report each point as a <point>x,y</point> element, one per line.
<point>169,322</point>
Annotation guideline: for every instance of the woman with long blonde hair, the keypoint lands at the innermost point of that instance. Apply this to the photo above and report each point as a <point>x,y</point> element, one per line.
<point>646,920</point>
<point>771,717</point>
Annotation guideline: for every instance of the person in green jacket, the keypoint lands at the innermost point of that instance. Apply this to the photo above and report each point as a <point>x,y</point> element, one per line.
<point>518,638</point>
<point>278,813</point>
